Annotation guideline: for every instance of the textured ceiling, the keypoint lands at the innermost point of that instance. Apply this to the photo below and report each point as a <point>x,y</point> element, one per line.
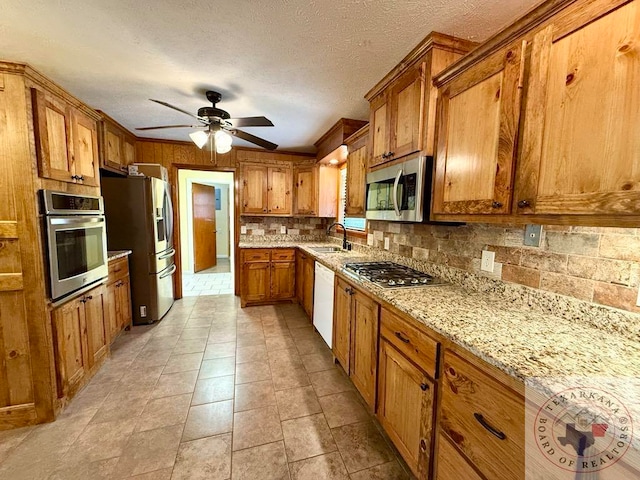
<point>301,63</point>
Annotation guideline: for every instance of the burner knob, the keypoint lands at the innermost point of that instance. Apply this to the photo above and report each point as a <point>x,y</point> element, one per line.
<point>415,280</point>
<point>391,282</point>
<point>425,280</point>
<point>401,282</point>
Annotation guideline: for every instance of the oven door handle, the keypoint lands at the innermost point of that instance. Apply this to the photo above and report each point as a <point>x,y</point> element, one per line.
<point>395,192</point>
<point>171,271</point>
<point>79,220</point>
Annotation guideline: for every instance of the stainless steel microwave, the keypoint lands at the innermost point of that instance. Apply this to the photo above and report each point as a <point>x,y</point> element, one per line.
<point>401,192</point>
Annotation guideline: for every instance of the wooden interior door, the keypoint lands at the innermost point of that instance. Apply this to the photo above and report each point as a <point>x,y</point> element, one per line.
<point>581,138</point>
<point>204,226</point>
<point>478,118</point>
<point>364,346</point>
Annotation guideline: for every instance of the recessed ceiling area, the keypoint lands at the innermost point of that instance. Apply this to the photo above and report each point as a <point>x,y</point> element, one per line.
<point>301,63</point>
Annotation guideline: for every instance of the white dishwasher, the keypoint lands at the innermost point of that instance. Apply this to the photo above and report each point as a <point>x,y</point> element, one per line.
<point>323,302</point>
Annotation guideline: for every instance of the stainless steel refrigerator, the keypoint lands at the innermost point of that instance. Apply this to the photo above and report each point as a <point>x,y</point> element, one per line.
<point>140,218</point>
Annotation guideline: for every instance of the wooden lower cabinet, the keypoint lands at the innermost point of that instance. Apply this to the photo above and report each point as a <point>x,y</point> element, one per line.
<point>80,339</point>
<point>117,306</point>
<point>268,275</point>
<point>451,464</point>
<point>483,418</point>
<point>355,337</point>
<point>406,407</point>
<point>309,266</point>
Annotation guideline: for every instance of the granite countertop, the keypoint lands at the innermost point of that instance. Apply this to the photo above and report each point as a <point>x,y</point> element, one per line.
<point>521,342</point>
<point>116,254</point>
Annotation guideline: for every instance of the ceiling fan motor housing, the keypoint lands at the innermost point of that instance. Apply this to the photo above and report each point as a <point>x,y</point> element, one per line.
<point>209,112</point>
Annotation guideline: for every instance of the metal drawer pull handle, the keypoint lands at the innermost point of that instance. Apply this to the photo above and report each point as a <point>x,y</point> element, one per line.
<point>402,337</point>
<point>492,430</point>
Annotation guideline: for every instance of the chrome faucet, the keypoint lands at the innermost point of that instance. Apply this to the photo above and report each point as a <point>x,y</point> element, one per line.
<point>345,244</point>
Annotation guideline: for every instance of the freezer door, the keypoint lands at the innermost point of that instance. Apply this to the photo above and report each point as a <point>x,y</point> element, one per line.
<point>162,292</point>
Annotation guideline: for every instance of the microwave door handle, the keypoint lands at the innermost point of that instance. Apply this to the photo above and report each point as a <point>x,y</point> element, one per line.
<point>396,207</point>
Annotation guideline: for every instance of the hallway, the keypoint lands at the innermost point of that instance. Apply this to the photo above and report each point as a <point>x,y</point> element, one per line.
<point>211,392</point>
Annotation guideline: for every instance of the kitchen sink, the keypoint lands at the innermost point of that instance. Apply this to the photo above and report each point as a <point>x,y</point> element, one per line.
<point>326,249</point>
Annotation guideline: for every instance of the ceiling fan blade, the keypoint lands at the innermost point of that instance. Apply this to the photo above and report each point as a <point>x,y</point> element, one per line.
<point>253,139</point>
<point>251,122</point>
<point>170,126</point>
<point>202,119</point>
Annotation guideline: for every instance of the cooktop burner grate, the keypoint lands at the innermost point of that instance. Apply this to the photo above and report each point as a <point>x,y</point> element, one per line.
<point>391,275</point>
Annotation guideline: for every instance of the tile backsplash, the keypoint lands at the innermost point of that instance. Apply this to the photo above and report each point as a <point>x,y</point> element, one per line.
<point>597,265</point>
<point>298,228</point>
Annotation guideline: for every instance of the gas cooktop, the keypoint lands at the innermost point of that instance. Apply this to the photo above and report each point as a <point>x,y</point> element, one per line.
<point>391,275</point>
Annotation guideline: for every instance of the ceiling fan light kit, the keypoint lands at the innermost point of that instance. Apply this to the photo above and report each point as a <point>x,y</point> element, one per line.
<point>220,125</point>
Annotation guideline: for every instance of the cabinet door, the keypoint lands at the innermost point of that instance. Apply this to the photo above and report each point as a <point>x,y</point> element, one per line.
<point>53,137</point>
<point>300,258</point>
<point>124,304</point>
<point>379,130</point>
<point>356,181</point>
<point>364,346</point>
<point>256,282</point>
<point>129,151</point>
<point>96,333</point>
<point>309,278</point>
<point>342,323</point>
<point>254,189</point>
<point>68,323</point>
<point>113,146</point>
<point>85,148</point>
<point>279,191</point>
<point>406,408</point>
<point>305,190</point>
<point>581,139</point>
<point>111,310</point>
<point>283,280</point>
<point>406,103</point>
<point>477,131</point>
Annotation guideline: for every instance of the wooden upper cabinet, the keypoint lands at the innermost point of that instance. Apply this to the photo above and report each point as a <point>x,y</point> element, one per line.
<point>357,145</point>
<point>405,136</point>
<point>581,140</point>
<point>279,191</point>
<point>305,188</point>
<point>85,148</point>
<point>118,146</point>
<point>53,137</point>
<point>254,189</point>
<point>66,140</point>
<point>379,130</point>
<point>477,131</point>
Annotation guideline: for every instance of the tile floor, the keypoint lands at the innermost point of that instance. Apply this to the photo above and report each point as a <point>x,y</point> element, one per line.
<point>213,281</point>
<point>211,392</point>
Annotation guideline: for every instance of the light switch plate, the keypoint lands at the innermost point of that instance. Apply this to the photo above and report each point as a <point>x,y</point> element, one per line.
<point>243,230</point>
<point>283,229</point>
<point>370,239</point>
<point>532,234</point>
<point>386,243</point>
<point>488,259</point>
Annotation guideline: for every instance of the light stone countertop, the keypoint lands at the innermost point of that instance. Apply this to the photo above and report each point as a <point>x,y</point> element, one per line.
<point>521,342</point>
<point>116,254</point>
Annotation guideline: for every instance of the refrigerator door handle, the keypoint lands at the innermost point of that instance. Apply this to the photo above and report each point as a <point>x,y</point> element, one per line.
<point>170,254</point>
<point>169,219</point>
<point>171,271</point>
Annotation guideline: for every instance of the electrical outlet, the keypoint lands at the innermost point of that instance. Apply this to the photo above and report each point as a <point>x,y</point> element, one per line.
<point>243,230</point>
<point>283,229</point>
<point>386,243</point>
<point>143,311</point>
<point>370,239</point>
<point>488,259</point>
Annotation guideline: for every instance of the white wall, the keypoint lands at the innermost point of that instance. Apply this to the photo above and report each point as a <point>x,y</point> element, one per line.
<point>222,222</point>
<point>185,179</point>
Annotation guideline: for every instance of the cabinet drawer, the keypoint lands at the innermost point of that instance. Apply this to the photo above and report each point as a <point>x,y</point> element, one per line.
<point>420,348</point>
<point>118,269</point>
<point>280,254</point>
<point>256,255</point>
<point>483,418</point>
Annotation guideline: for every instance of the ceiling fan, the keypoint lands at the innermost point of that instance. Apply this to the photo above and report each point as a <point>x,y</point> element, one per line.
<point>219,126</point>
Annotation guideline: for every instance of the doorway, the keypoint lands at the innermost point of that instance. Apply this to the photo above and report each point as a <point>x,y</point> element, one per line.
<point>206,232</point>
